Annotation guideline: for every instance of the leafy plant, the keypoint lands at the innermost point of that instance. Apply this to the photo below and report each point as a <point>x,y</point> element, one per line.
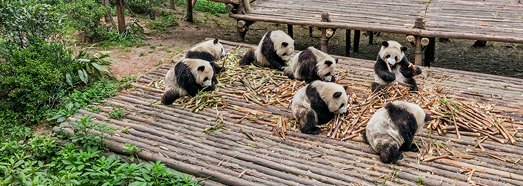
<point>85,16</point>
<point>117,113</point>
<point>207,6</point>
<point>82,135</point>
<point>29,21</point>
<point>96,66</point>
<point>132,149</point>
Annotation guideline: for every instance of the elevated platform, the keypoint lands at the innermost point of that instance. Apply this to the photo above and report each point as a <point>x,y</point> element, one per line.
<point>246,150</point>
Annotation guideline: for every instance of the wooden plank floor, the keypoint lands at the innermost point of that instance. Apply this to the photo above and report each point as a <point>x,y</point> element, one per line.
<point>176,137</point>
<point>494,20</point>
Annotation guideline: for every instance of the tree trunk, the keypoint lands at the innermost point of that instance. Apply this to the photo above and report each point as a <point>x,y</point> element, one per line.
<point>172,4</point>
<point>121,16</point>
<point>109,15</point>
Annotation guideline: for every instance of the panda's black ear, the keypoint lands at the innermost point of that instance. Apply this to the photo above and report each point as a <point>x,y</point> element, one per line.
<point>284,44</point>
<point>216,41</point>
<point>346,87</point>
<point>404,48</point>
<point>337,95</point>
<point>385,43</point>
<point>328,63</point>
<point>201,68</point>
<point>336,60</point>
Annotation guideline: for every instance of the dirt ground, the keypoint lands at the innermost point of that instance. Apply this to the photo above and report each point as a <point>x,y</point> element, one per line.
<point>503,59</point>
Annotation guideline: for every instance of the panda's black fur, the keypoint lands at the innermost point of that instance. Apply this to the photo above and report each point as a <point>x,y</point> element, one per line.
<point>211,51</point>
<point>400,70</point>
<point>392,128</point>
<point>271,51</point>
<point>187,77</point>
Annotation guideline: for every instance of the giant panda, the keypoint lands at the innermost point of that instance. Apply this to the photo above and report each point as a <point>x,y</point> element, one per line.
<point>312,64</point>
<point>187,77</point>
<point>212,51</point>
<point>316,104</point>
<point>274,49</point>
<point>393,54</point>
<point>392,128</point>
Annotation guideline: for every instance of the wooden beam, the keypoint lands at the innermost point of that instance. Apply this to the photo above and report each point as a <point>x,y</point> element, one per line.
<point>430,52</point>
<point>347,42</point>
<point>290,31</point>
<point>190,11</point>
<point>121,16</point>
<point>324,40</point>
<point>310,31</point>
<point>356,45</point>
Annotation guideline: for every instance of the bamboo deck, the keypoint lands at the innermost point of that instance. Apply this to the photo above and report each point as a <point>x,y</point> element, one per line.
<point>176,137</point>
<point>492,20</point>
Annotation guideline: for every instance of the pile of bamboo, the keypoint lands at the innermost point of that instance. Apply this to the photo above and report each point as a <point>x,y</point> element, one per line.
<point>267,87</point>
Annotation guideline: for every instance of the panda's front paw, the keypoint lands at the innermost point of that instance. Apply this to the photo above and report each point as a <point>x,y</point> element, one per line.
<point>418,71</point>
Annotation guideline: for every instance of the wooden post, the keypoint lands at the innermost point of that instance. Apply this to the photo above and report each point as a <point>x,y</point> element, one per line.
<point>371,37</point>
<point>324,41</point>
<point>172,4</point>
<point>356,45</point>
<point>121,16</point>
<point>347,42</point>
<point>310,31</point>
<point>242,27</point>
<point>189,11</point>
<point>290,31</point>
<point>430,52</point>
<point>420,24</point>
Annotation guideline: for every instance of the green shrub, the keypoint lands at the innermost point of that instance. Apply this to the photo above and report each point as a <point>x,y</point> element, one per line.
<point>117,113</point>
<point>85,16</point>
<point>33,78</point>
<point>29,21</point>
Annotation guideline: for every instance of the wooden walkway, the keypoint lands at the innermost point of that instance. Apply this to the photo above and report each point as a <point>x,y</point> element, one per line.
<point>228,156</point>
<point>492,20</point>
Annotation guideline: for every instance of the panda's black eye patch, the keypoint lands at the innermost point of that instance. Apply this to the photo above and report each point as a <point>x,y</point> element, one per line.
<point>284,44</point>
<point>387,56</point>
<point>396,58</point>
<point>328,74</point>
<point>343,104</point>
<point>205,79</point>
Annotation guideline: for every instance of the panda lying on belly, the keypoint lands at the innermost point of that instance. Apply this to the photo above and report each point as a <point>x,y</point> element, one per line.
<point>393,54</point>
<point>274,49</point>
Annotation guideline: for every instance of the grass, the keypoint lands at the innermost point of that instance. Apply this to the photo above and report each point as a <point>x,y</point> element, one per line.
<point>162,23</point>
<point>117,113</point>
<point>114,39</point>
<point>207,6</point>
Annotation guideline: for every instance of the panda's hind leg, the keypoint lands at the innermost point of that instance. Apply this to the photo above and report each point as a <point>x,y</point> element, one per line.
<point>248,58</point>
<point>412,84</point>
<point>169,97</point>
<point>309,124</point>
<point>390,153</point>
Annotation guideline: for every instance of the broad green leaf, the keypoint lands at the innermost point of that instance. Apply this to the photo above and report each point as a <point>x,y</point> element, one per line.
<point>68,79</point>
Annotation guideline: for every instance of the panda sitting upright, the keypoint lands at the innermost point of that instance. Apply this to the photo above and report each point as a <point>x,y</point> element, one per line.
<point>274,49</point>
<point>312,64</point>
<point>392,54</point>
<point>211,51</point>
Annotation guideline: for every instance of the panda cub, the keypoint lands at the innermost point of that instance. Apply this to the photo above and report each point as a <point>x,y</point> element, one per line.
<point>211,51</point>
<point>274,49</point>
<point>392,128</point>
<point>187,77</point>
<point>312,64</point>
<point>393,54</point>
<point>316,104</point>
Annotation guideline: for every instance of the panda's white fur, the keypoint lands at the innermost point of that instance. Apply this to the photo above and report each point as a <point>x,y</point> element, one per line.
<point>312,64</point>
<point>187,77</point>
<point>392,128</point>
<point>316,104</point>
<point>212,47</point>
<point>274,49</point>
<point>393,54</point>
